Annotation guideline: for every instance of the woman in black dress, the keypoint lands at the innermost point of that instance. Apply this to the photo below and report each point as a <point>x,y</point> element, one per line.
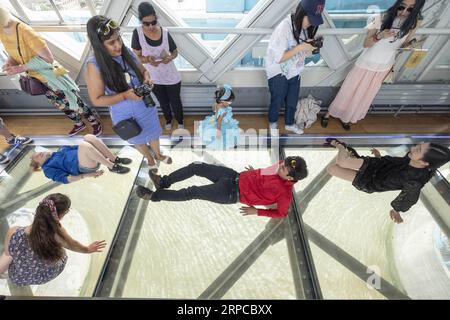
<point>378,174</point>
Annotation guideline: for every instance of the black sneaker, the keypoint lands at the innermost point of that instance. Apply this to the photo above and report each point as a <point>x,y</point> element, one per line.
<point>19,140</point>
<point>3,159</point>
<point>117,168</point>
<point>122,160</point>
<point>156,178</point>
<point>144,193</point>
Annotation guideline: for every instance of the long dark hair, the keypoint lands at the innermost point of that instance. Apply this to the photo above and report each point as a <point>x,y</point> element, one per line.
<point>112,72</point>
<point>145,9</point>
<point>410,22</point>
<point>297,23</point>
<point>46,227</point>
<point>436,156</point>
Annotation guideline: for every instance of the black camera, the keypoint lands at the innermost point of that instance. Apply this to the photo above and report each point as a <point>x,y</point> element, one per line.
<point>145,91</point>
<point>318,43</point>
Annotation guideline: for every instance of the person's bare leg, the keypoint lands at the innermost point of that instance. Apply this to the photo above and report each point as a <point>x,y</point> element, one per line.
<point>345,161</point>
<point>100,146</point>
<point>145,151</point>
<point>90,157</point>
<point>4,130</point>
<point>342,173</point>
<point>157,150</point>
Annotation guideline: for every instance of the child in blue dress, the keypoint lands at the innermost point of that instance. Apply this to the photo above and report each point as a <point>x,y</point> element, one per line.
<point>220,131</point>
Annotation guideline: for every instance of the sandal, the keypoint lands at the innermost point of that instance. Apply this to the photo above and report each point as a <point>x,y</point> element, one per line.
<point>153,168</point>
<point>166,160</point>
<point>353,153</point>
<point>329,142</point>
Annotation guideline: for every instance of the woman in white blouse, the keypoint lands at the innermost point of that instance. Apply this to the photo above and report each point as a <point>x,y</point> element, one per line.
<point>285,59</point>
<point>385,36</point>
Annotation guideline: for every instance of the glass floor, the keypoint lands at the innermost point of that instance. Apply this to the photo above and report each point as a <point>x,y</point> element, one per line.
<point>337,243</point>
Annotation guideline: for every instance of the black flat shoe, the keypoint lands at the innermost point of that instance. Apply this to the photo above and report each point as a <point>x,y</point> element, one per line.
<point>346,126</point>
<point>144,193</point>
<point>122,160</point>
<point>117,168</point>
<point>324,121</point>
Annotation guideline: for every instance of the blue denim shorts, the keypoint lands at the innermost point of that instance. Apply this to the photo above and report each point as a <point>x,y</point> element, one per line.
<point>88,170</point>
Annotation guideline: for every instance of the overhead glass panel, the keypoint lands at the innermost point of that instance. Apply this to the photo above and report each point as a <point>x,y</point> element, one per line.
<point>74,12</point>
<point>98,4</point>
<point>354,14</point>
<point>71,42</point>
<point>9,6</point>
<point>256,57</point>
<point>39,10</point>
<point>210,13</point>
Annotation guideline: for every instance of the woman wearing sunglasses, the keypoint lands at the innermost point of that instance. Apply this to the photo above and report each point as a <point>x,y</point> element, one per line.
<point>156,49</point>
<point>112,74</point>
<point>385,36</point>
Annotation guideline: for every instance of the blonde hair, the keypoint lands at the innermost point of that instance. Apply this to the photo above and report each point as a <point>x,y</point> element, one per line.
<point>5,16</point>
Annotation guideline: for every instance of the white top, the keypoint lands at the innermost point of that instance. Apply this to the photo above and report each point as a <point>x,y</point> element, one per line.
<point>282,40</point>
<point>381,56</point>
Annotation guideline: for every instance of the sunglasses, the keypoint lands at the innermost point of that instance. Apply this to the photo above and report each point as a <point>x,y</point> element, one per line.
<point>105,28</point>
<point>148,24</point>
<point>402,8</point>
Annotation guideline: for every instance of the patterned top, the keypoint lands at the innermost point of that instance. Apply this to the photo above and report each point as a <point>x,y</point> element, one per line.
<point>26,268</point>
<point>30,44</point>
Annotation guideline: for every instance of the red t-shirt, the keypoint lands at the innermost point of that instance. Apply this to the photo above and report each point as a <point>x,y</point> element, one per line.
<point>266,187</point>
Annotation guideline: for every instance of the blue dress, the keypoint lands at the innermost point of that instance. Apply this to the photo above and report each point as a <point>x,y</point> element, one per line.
<point>230,130</point>
<point>146,117</point>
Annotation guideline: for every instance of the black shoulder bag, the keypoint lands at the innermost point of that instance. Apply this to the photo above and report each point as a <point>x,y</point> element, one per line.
<point>128,128</point>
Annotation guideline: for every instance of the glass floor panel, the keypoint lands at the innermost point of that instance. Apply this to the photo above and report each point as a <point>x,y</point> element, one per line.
<point>94,215</point>
<point>355,245</point>
<point>198,249</point>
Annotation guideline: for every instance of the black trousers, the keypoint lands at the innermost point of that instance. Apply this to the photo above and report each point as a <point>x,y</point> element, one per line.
<point>170,100</point>
<point>222,190</point>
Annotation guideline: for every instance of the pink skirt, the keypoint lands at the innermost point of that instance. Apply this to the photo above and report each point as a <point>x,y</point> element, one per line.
<point>356,94</point>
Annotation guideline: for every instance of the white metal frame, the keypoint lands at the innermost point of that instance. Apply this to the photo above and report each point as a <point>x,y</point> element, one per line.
<point>254,27</point>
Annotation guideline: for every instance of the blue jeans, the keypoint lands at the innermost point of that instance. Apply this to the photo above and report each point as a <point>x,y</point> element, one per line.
<point>283,91</point>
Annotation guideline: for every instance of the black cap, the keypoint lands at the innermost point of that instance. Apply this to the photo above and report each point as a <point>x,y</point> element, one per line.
<point>314,9</point>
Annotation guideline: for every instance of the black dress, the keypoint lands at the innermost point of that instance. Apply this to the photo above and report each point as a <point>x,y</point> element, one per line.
<point>393,173</point>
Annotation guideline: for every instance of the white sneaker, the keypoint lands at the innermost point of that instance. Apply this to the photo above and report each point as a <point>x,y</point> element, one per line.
<point>3,159</point>
<point>273,128</point>
<point>180,126</point>
<point>168,126</point>
<point>294,129</point>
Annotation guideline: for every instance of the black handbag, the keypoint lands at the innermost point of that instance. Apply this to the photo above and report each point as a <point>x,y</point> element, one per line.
<point>29,84</point>
<point>127,129</point>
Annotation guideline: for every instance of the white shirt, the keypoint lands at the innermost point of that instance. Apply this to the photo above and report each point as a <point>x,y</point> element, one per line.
<point>282,40</point>
<point>381,56</point>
